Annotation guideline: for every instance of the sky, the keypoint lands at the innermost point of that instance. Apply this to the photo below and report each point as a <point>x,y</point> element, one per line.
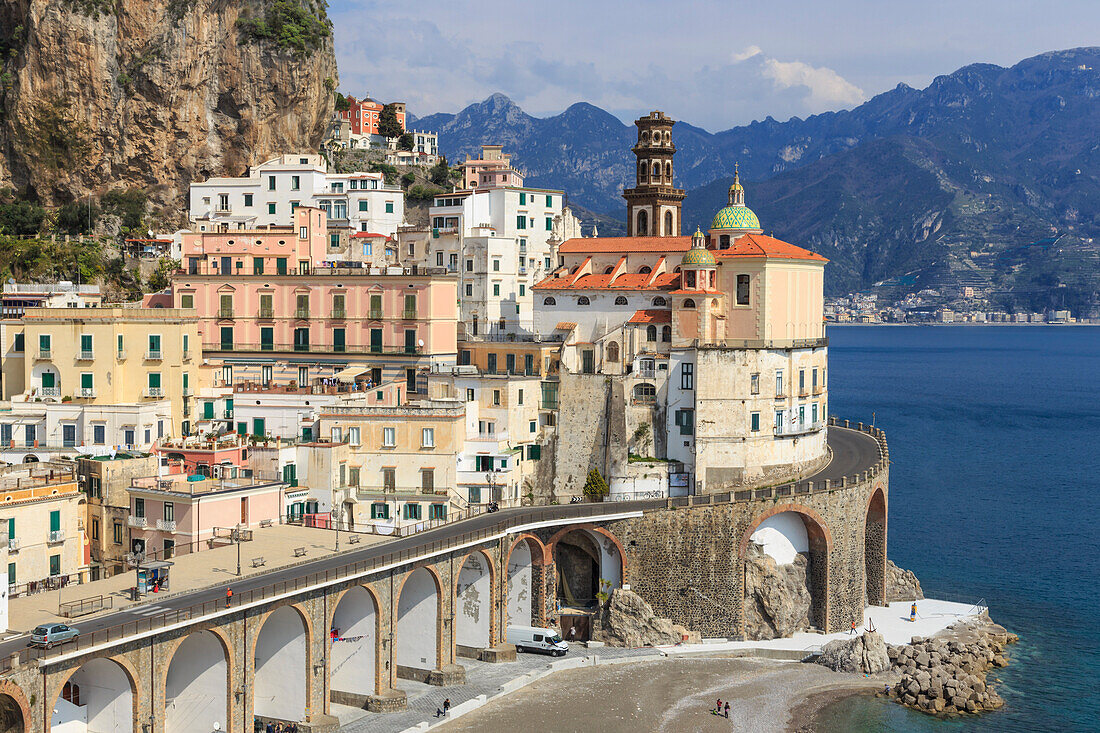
<point>713,64</point>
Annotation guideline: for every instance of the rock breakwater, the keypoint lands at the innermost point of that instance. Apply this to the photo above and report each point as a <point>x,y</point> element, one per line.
<point>946,674</point>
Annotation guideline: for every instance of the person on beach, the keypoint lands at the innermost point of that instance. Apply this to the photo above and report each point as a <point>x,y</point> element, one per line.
<point>727,708</point>
<point>913,613</point>
<point>718,706</point>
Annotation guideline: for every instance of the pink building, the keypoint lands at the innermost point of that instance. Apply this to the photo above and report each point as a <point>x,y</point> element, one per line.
<point>199,455</point>
<point>274,251</point>
<point>172,515</point>
<point>492,170</point>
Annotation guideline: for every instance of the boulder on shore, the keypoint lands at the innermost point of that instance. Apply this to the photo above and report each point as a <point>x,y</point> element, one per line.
<point>901,584</point>
<point>627,620</point>
<point>865,654</point>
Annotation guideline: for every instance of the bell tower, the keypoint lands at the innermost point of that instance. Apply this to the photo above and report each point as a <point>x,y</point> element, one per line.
<point>653,205</point>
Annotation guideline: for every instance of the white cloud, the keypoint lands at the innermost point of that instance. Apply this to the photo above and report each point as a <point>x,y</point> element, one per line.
<point>748,53</point>
<point>827,88</point>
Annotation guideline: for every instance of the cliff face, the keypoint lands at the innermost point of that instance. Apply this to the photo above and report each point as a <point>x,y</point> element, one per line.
<point>100,94</point>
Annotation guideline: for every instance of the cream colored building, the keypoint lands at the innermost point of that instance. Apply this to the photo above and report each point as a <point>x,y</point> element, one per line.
<point>100,377</point>
<point>42,511</point>
<point>105,480</point>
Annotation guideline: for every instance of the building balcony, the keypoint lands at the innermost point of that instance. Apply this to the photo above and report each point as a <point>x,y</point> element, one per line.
<point>86,355</point>
<point>153,355</point>
<point>267,313</point>
<point>646,373</point>
<point>136,522</point>
<point>55,537</point>
<point>314,348</point>
<point>154,392</point>
<point>301,313</point>
<point>44,355</point>
<point>225,346</point>
<point>51,391</point>
<point>791,429</point>
<point>338,314</point>
<point>166,525</point>
<point>187,355</point>
<point>225,313</point>
<point>227,415</point>
<point>819,389</point>
<point>87,392</point>
<point>121,355</point>
<point>13,544</point>
<point>375,315</point>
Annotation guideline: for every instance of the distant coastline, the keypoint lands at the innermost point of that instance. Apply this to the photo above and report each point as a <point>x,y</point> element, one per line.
<point>832,324</point>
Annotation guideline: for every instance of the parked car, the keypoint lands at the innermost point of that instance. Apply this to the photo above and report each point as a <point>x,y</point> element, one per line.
<point>51,634</point>
<point>534,639</point>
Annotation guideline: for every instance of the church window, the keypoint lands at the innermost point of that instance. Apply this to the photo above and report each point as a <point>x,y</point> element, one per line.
<point>659,301</point>
<point>645,136</point>
<point>656,169</point>
<point>666,334</point>
<point>668,170</point>
<point>689,303</point>
<point>583,300</point>
<point>549,301</point>
<point>668,224</point>
<point>651,333</point>
<point>613,351</point>
<point>742,290</point>
<point>643,223</point>
<point>644,270</point>
<point>641,170</point>
<point>608,270</point>
<point>621,300</point>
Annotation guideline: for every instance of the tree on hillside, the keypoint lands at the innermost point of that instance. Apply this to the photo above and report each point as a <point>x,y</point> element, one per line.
<point>440,173</point>
<point>595,487</point>
<point>405,142</point>
<point>388,126</point>
<point>342,103</point>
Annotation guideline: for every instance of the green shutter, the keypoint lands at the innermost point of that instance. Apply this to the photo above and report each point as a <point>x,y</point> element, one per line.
<point>85,380</point>
<point>242,428</point>
<point>85,342</point>
<point>11,528</point>
<point>55,520</point>
<point>549,201</point>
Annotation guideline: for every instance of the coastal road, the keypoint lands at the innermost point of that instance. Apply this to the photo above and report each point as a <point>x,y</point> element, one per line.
<point>852,451</point>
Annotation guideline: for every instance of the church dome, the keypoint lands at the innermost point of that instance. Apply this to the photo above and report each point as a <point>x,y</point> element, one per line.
<point>698,258</point>
<point>735,217</point>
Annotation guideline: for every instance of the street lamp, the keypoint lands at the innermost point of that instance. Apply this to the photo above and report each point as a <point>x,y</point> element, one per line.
<point>235,535</point>
<point>336,514</point>
<point>491,480</point>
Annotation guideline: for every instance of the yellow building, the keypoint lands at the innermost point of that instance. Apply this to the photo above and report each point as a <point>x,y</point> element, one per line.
<point>98,377</point>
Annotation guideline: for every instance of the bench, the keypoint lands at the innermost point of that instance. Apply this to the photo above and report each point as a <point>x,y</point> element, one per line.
<point>258,562</point>
<point>354,540</point>
<point>266,523</point>
<point>299,552</point>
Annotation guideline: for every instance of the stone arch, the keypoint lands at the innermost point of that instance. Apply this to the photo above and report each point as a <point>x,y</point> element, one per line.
<point>525,597</point>
<point>610,565</point>
<point>475,587</point>
<point>15,711</point>
<point>416,616</point>
<point>357,618</point>
<point>202,692</point>
<point>108,704</point>
<point>820,545</point>
<point>874,547</point>
<point>277,691</point>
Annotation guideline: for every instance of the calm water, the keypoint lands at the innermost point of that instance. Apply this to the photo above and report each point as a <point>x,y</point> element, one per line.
<point>994,493</point>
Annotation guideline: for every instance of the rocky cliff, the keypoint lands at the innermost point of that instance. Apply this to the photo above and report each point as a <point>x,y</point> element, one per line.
<point>777,602</point>
<point>99,94</point>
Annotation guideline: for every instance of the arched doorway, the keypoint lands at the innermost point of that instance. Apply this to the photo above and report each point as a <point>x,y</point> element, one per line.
<point>196,686</point>
<point>418,621</point>
<point>786,557</point>
<point>11,715</point>
<point>588,563</point>
<point>522,607</point>
<point>474,603</point>
<point>280,666</point>
<point>874,548</point>
<point>355,650</point>
<point>97,697</point>
<point>30,458</point>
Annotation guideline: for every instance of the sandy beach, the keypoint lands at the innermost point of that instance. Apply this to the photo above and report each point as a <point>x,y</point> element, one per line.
<point>674,694</point>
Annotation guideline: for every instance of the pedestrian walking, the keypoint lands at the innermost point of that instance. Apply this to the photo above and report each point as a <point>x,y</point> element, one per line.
<point>572,632</point>
<point>229,596</point>
<point>718,706</point>
<point>727,708</point>
<point>447,706</point>
<point>853,631</point>
<point>913,613</point>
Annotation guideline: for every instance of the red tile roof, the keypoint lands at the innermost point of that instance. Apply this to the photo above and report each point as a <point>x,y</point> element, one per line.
<point>372,235</point>
<point>651,316</point>
<point>592,245</point>
<point>759,245</point>
<point>630,281</point>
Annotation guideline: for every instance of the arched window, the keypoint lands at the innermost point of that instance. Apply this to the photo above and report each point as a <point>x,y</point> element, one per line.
<point>549,301</point>
<point>621,300</point>
<point>643,223</point>
<point>644,270</point>
<point>583,300</point>
<point>656,169</point>
<point>645,393</point>
<point>642,168</point>
<point>651,333</point>
<point>608,270</point>
<point>659,301</point>
<point>689,303</point>
<point>676,269</point>
<point>668,170</point>
<point>613,351</point>
<point>668,223</point>
<point>742,290</point>
<point>668,136</point>
<point>645,136</point>
<point>666,334</point>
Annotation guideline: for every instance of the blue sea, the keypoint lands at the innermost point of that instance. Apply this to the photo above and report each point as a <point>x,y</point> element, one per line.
<point>994,435</point>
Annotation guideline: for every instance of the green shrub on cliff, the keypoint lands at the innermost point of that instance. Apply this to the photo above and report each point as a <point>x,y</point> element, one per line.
<point>292,25</point>
<point>595,487</point>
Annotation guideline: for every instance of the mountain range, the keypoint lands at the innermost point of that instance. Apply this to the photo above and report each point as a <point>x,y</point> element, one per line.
<point>988,176</point>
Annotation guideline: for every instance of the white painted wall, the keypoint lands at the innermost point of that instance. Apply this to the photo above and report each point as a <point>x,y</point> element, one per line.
<point>353,659</point>
<point>474,603</point>
<point>611,563</point>
<point>280,689</point>
<point>520,580</point>
<point>197,686</point>
<point>417,621</point>
<point>106,701</point>
<point>783,536</point>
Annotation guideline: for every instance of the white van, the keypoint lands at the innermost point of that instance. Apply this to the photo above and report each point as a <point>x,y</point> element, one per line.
<point>534,639</point>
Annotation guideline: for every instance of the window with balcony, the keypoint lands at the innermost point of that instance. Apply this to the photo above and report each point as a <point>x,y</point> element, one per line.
<point>44,351</point>
<point>86,352</point>
<point>301,307</point>
<point>139,508</point>
<point>87,385</point>
<point>267,309</point>
<point>169,512</point>
<point>225,306</point>
<point>153,352</point>
<point>410,307</point>
<point>154,389</point>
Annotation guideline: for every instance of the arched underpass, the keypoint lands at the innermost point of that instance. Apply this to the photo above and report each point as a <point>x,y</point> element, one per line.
<point>97,698</point>
<point>474,604</point>
<point>196,685</point>
<point>280,687</point>
<point>418,622</point>
<point>355,648</point>
<point>520,606</point>
<point>11,716</point>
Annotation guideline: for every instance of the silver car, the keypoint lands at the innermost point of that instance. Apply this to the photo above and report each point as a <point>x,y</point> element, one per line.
<point>51,634</point>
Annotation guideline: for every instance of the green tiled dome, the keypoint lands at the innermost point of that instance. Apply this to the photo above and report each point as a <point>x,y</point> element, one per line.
<point>735,217</point>
<point>698,257</point>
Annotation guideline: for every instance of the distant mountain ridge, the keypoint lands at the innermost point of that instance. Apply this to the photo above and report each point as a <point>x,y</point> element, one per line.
<point>988,157</point>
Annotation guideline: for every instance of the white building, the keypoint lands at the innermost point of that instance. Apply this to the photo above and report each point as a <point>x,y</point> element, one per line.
<point>354,202</point>
<point>500,241</point>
